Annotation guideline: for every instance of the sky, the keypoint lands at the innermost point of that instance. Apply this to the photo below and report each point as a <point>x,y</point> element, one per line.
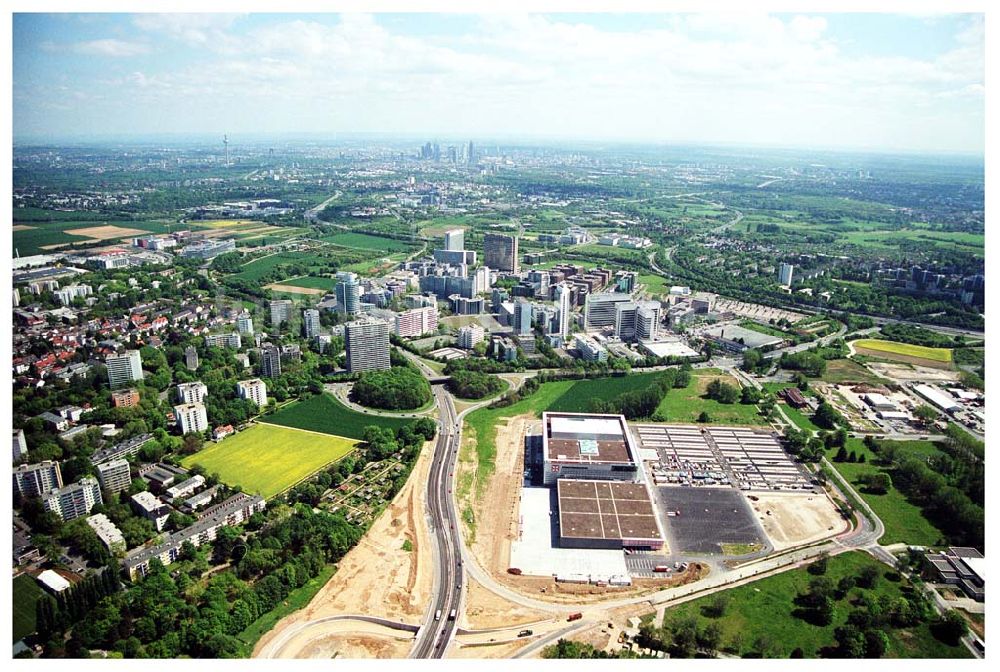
<point>828,81</point>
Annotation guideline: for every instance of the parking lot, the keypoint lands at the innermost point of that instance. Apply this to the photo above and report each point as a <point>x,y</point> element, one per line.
<point>756,460</point>
<point>706,518</point>
<point>684,456</point>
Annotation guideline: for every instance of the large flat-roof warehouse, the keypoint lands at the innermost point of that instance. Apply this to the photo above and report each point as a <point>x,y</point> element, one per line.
<point>607,514</point>
<point>579,445</point>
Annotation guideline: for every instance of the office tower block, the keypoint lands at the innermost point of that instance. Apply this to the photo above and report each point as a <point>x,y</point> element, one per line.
<point>500,252</point>
<point>348,292</point>
<point>562,300</point>
<point>454,240</point>
<point>281,311</point>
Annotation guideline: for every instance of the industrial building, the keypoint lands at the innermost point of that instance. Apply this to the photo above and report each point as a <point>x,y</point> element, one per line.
<point>587,446</point>
<point>602,514</point>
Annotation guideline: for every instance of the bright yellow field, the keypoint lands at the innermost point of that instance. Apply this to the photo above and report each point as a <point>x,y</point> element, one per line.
<point>268,459</point>
<point>907,349</point>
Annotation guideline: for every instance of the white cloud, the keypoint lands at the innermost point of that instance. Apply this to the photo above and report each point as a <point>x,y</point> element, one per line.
<point>105,47</point>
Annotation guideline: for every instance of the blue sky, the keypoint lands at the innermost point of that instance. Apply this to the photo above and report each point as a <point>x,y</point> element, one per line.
<point>849,81</point>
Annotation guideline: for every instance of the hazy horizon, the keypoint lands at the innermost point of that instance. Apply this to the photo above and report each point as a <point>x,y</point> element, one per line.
<point>836,82</point>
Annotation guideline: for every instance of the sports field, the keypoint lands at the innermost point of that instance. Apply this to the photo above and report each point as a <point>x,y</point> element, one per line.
<point>905,352</point>
<point>267,459</point>
<point>26,594</point>
<point>322,413</point>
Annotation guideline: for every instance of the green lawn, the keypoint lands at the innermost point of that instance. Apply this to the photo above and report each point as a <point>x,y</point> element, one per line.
<point>904,522</point>
<point>655,284</point>
<point>578,397</point>
<point>840,371</point>
<point>268,459</point>
<point>297,599</point>
<point>25,594</point>
<point>258,268</point>
<point>311,282</point>
<point>801,420</point>
<point>685,405</point>
<point>765,608</point>
<point>365,241</point>
<point>323,413</point>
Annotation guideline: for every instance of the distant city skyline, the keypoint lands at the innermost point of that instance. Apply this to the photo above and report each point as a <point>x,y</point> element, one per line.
<point>837,81</point>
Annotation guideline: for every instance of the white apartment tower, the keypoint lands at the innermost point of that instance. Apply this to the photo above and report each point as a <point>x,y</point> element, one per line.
<point>114,476</point>
<point>191,393</point>
<point>191,418</point>
<point>254,389</point>
<point>310,319</point>
<point>244,324</point>
<point>367,345</point>
<point>124,368</point>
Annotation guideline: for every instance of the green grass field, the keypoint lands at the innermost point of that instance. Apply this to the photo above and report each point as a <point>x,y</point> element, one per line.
<point>655,284</point>
<point>258,268</point>
<point>801,420</point>
<point>848,371</point>
<point>578,397</point>
<point>364,241</point>
<point>685,405</point>
<point>268,459</point>
<point>764,608</point>
<point>311,282</point>
<point>907,349</point>
<point>25,594</point>
<point>323,413</point>
<point>904,522</point>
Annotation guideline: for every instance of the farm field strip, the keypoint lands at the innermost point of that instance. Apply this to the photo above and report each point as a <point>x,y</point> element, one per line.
<point>324,414</point>
<point>877,346</point>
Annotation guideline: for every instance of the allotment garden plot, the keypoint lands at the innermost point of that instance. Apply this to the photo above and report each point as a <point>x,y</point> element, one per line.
<point>268,459</point>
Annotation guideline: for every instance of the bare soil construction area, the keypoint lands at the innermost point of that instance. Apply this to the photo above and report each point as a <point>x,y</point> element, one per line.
<point>377,577</point>
<point>908,374</point>
<point>292,289</point>
<point>485,609</point>
<point>496,510</point>
<point>793,519</point>
<point>107,232</point>
<point>356,646</point>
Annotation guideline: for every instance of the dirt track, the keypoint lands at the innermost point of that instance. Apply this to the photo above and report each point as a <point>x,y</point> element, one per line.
<point>377,577</point>
<point>791,519</point>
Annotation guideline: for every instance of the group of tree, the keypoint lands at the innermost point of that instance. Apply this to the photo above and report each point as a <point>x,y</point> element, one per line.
<point>722,392</point>
<point>567,648</point>
<point>949,487</point>
<point>809,363</point>
<point>397,388</point>
<point>468,384</point>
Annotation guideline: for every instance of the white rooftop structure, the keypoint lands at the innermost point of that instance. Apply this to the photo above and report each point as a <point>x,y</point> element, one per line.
<point>586,426</point>
<point>977,565</point>
<point>53,581</point>
<point>939,398</point>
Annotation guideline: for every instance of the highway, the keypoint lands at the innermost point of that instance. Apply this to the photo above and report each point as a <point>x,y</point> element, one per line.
<point>439,627</point>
